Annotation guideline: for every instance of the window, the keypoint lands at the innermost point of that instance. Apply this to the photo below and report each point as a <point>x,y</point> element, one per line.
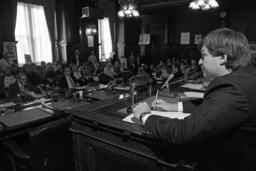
<point>32,34</point>
<point>105,41</point>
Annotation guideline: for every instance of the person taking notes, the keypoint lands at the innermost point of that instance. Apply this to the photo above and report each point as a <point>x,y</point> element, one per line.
<point>223,126</point>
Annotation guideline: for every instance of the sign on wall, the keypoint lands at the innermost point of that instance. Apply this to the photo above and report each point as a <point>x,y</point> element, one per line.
<point>144,39</point>
<point>197,38</point>
<point>90,41</point>
<point>9,48</point>
<point>185,38</point>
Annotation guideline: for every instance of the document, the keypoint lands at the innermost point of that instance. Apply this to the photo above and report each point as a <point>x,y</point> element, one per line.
<point>79,87</point>
<point>8,104</point>
<point>173,115</point>
<point>192,94</point>
<point>22,117</point>
<point>194,86</point>
<point>122,88</point>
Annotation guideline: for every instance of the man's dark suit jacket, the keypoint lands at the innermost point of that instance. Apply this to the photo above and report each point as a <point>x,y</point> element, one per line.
<point>14,89</point>
<point>72,59</point>
<point>63,82</point>
<point>225,121</point>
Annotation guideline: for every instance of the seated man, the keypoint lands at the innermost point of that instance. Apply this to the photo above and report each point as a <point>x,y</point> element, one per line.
<point>8,80</point>
<point>23,88</point>
<point>66,82</point>
<point>222,127</point>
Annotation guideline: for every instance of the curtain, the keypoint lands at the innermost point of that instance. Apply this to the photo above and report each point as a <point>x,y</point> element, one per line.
<point>49,7</point>
<point>32,34</point>
<point>8,11</point>
<point>105,48</point>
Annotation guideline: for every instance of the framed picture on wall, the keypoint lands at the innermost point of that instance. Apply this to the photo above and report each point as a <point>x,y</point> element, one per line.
<point>90,41</point>
<point>9,48</point>
<point>197,38</point>
<point>185,38</point>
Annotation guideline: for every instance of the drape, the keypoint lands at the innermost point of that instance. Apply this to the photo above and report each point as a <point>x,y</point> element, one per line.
<point>105,39</point>
<point>8,10</point>
<point>32,33</point>
<point>49,9</point>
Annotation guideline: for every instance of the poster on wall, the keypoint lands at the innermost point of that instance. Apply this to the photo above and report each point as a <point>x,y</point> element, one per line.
<point>197,38</point>
<point>144,39</point>
<point>185,38</point>
<point>28,59</point>
<point>90,41</point>
<point>9,48</point>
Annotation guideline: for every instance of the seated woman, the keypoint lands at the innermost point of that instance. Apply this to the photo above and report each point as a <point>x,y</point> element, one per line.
<point>7,81</point>
<point>86,73</point>
<point>77,76</point>
<point>49,81</point>
<point>117,67</point>
<point>109,70</point>
<point>108,74</point>
<point>176,71</point>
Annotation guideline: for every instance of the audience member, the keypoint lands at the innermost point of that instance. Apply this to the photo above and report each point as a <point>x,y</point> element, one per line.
<point>66,81</point>
<point>23,87</point>
<point>92,60</point>
<point>222,127</point>
<point>76,58</point>
<point>5,61</point>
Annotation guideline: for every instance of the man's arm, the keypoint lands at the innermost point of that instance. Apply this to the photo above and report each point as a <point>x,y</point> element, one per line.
<point>222,109</point>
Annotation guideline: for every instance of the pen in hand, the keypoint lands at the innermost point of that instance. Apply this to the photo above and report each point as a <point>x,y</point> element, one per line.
<point>156,95</point>
<point>153,107</point>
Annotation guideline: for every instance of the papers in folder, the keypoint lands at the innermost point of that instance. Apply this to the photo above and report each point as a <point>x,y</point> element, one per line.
<point>178,115</point>
<point>192,94</point>
<point>80,87</point>
<point>8,104</point>
<point>194,86</point>
<point>122,88</point>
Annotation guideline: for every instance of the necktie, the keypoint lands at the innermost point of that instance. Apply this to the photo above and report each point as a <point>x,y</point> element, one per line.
<point>71,83</point>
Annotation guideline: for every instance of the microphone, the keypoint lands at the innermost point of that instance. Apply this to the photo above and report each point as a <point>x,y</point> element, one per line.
<point>168,79</point>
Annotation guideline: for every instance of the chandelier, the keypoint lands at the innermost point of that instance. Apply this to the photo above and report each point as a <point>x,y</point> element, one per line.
<point>203,4</point>
<point>128,8</point>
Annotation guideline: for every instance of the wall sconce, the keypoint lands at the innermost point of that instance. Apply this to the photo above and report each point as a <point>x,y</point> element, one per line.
<point>128,8</point>
<point>203,4</point>
<point>91,30</point>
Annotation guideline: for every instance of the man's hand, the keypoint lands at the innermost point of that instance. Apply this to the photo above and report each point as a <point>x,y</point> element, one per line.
<point>160,104</point>
<point>140,109</point>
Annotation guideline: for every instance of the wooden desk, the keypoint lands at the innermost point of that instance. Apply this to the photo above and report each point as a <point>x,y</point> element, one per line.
<point>104,142</point>
<point>39,133</point>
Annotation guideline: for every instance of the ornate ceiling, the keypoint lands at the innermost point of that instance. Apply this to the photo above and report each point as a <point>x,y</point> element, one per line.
<point>156,4</point>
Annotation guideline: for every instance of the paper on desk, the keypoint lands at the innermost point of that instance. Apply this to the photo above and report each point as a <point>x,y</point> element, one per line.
<point>126,88</point>
<point>95,78</point>
<point>178,115</point>
<point>80,87</point>
<point>8,104</point>
<point>194,94</point>
<point>193,86</point>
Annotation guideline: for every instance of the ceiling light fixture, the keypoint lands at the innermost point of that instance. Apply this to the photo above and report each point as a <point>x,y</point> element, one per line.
<point>128,8</point>
<point>203,4</point>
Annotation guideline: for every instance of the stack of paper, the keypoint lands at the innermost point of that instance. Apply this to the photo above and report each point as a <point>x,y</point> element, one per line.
<point>178,115</point>
<point>122,88</point>
<point>8,104</point>
<point>194,86</point>
<point>192,94</point>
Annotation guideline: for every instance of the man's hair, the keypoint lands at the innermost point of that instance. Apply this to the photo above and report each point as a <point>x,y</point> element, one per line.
<point>253,53</point>
<point>225,41</point>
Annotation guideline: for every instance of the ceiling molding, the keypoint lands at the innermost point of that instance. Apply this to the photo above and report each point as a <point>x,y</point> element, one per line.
<point>153,4</point>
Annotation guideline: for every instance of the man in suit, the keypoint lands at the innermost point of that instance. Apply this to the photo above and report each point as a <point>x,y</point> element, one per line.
<point>223,126</point>
<point>23,87</point>
<point>67,82</point>
<point>76,58</point>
